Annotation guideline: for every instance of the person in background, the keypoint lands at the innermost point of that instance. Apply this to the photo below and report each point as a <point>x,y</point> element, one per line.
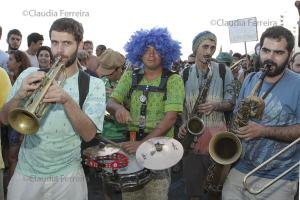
<point>295,63</point>
<point>14,40</point>
<point>17,63</point>
<point>5,86</point>
<point>110,68</point>
<point>3,56</point>
<point>45,57</point>
<point>100,49</point>
<point>225,58</point>
<point>92,59</point>
<point>34,42</point>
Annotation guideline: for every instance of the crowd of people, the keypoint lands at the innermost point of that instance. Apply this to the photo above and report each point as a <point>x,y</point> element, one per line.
<point>148,93</point>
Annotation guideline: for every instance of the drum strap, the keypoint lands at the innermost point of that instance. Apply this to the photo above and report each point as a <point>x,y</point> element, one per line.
<point>143,111</point>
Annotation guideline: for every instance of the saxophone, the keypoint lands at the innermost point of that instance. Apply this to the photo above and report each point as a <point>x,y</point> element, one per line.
<point>251,106</point>
<point>225,148</point>
<point>195,124</point>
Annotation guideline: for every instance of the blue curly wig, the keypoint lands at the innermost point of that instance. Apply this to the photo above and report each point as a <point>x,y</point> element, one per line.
<point>160,39</point>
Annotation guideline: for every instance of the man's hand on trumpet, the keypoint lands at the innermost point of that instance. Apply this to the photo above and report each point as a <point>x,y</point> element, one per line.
<point>29,84</point>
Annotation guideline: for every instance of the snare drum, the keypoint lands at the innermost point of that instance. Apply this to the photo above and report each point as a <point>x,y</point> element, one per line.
<point>131,177</point>
<point>107,157</point>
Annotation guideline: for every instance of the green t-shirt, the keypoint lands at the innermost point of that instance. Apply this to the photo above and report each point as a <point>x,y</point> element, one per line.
<point>112,130</point>
<point>156,105</point>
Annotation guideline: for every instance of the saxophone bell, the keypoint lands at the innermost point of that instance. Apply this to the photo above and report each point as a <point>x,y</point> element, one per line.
<point>195,125</point>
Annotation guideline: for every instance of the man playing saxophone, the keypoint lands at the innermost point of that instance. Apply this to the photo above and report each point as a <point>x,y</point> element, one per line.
<point>49,162</point>
<point>216,100</point>
<point>264,136</point>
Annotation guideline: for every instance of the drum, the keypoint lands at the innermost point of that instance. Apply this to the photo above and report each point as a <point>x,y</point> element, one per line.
<point>128,178</point>
<point>99,157</point>
<point>118,169</point>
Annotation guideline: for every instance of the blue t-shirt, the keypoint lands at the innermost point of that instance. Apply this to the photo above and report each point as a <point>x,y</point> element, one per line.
<point>282,108</point>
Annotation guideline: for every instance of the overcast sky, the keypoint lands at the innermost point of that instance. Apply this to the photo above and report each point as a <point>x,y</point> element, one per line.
<point>112,22</point>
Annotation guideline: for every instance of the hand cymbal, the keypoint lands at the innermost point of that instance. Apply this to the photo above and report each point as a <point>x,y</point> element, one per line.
<point>159,153</point>
<point>97,151</point>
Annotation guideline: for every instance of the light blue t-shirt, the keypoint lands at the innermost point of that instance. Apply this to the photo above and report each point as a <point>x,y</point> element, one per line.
<point>282,108</point>
<point>3,60</point>
<point>54,150</point>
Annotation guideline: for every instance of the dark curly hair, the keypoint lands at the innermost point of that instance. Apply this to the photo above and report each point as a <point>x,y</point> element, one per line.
<point>21,57</point>
<point>279,32</point>
<point>68,25</point>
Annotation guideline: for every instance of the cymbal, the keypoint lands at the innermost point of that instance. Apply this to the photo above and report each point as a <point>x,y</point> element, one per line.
<point>98,150</point>
<point>159,153</point>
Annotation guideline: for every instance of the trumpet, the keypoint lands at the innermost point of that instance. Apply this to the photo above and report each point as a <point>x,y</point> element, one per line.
<point>26,119</point>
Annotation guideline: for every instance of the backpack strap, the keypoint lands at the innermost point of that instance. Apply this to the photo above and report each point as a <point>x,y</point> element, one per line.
<point>222,73</point>
<point>185,74</point>
<point>83,86</point>
<point>137,77</point>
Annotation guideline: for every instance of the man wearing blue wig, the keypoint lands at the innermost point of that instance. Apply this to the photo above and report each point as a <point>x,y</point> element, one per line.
<point>154,95</point>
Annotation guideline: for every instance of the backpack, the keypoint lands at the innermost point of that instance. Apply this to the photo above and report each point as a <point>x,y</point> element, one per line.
<point>137,77</point>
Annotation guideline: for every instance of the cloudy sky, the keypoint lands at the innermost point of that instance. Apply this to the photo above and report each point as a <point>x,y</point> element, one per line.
<point>112,22</point>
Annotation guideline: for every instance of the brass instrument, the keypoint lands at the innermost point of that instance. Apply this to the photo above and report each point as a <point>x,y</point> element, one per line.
<point>225,148</point>
<point>236,64</point>
<point>257,191</point>
<point>195,124</point>
<point>26,119</point>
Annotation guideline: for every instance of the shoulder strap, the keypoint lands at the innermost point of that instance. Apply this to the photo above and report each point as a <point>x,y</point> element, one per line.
<point>83,86</point>
<point>137,77</point>
<point>163,81</point>
<point>185,74</point>
<point>222,73</point>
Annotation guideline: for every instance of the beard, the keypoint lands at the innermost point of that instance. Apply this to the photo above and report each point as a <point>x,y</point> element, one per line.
<point>278,69</point>
<point>13,48</point>
<point>72,59</point>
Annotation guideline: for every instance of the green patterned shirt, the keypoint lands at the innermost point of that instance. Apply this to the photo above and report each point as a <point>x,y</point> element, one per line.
<point>156,106</point>
<point>111,128</point>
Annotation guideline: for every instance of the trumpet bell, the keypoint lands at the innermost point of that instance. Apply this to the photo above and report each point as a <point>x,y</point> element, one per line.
<point>225,148</point>
<point>195,126</point>
<point>23,121</point>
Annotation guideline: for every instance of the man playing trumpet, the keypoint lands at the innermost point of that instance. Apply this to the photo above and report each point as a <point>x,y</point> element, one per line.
<point>49,165</point>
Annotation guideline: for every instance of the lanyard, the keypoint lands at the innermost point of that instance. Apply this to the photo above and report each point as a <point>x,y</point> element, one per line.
<point>143,111</point>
